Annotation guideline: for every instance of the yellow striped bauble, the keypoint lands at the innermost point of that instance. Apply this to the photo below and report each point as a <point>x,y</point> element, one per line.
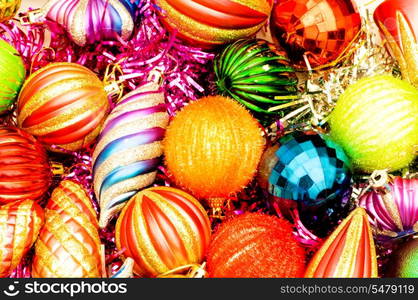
<point>69,243</point>
<point>162,229</point>
<point>375,121</point>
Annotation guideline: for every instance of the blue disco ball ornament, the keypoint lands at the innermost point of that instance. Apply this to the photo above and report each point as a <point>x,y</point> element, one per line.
<point>309,168</point>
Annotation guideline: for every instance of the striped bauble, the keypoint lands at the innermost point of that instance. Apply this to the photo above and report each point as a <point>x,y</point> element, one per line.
<point>63,104</point>
<point>349,252</point>
<point>25,172</point>
<point>69,243</point>
<point>375,121</point>
<point>20,223</point>
<point>129,150</point>
<point>163,228</point>
<point>209,23</point>
<point>12,74</point>
<point>91,21</point>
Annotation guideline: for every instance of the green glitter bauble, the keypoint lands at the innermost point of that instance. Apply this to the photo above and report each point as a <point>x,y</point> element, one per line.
<point>375,121</point>
<point>12,75</point>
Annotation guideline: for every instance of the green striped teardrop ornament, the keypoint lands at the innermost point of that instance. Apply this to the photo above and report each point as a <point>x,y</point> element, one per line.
<point>376,122</point>
<point>12,75</point>
<point>258,75</point>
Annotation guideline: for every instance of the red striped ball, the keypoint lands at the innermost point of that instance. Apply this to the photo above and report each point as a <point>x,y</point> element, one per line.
<point>163,228</point>
<point>63,104</point>
<point>209,23</point>
<point>24,168</point>
<point>254,245</point>
<point>69,243</point>
<point>20,223</point>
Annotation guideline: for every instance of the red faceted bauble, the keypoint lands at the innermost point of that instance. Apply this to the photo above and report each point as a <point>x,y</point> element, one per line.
<point>321,29</point>
<point>25,173</point>
<point>254,245</point>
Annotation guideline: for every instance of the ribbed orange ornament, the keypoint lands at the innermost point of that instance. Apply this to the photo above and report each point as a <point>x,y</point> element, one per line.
<point>349,252</point>
<point>25,173</point>
<point>63,104</point>
<point>255,246</point>
<point>20,223</point>
<point>69,243</point>
<point>212,147</point>
<point>208,23</point>
<point>163,228</point>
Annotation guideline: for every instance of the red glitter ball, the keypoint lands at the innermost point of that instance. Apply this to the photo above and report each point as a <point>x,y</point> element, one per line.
<point>254,245</point>
<point>321,29</point>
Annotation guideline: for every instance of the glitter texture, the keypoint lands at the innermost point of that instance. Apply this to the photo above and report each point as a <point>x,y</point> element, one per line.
<point>254,245</point>
<point>91,21</point>
<point>349,252</point>
<point>68,110</point>
<point>365,108</point>
<point>12,73</point>
<point>69,237</point>
<point>213,146</point>
<point>128,152</point>
<point>163,228</point>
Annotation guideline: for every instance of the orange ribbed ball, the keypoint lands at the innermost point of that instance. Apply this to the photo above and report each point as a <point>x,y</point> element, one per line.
<point>212,147</point>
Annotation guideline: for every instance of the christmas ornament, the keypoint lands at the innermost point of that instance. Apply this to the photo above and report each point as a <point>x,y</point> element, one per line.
<point>12,72</point>
<point>393,210</point>
<point>63,104</point>
<point>68,244</point>
<point>212,147</point>
<point>211,23</point>
<point>364,109</point>
<point>91,21</point>
<point>320,29</point>
<point>348,252</point>
<point>129,150</point>
<point>24,169</point>
<point>404,261</point>
<point>256,74</point>
<point>162,228</point>
<point>8,9</point>
<point>308,168</point>
<point>20,223</point>
<point>254,245</point>
<point>398,22</point>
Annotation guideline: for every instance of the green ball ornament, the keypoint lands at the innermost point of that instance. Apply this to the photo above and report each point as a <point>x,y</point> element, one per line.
<point>375,121</point>
<point>404,261</point>
<point>258,75</point>
<point>12,75</point>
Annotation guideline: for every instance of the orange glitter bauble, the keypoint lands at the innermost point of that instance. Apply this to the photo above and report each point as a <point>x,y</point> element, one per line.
<point>212,147</point>
<point>254,245</point>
